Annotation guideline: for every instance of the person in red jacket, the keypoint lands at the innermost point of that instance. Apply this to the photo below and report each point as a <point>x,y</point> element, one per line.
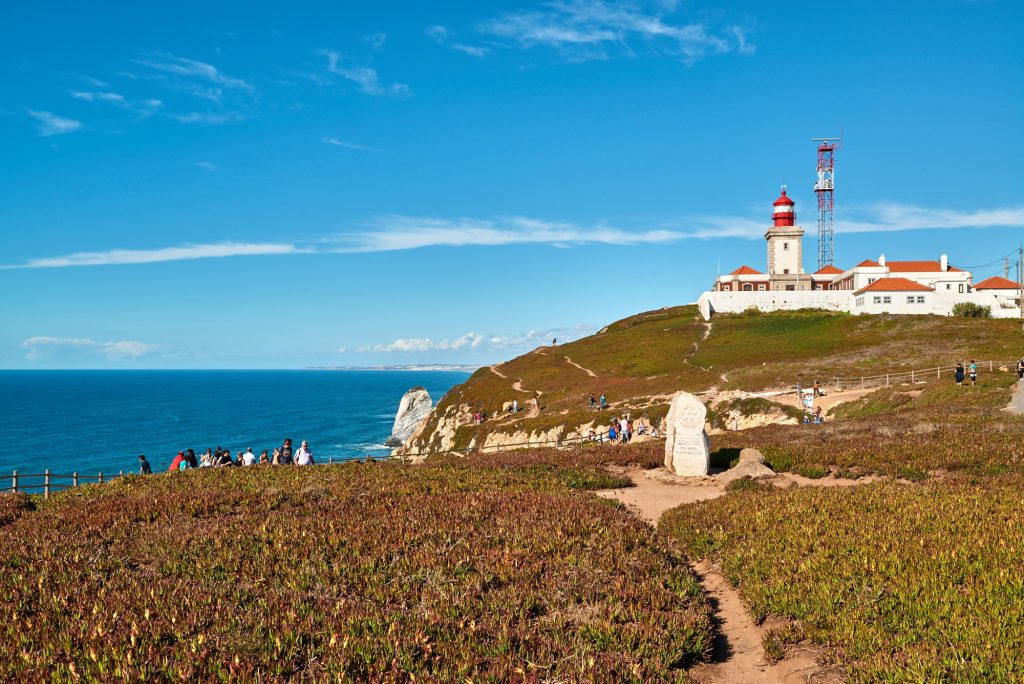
<point>176,463</point>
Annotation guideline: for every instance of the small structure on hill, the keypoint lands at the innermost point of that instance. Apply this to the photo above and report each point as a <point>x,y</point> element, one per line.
<point>687,451</point>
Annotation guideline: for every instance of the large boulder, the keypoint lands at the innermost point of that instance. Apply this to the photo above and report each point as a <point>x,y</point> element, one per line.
<point>414,407</point>
<point>687,451</point>
<point>751,464</point>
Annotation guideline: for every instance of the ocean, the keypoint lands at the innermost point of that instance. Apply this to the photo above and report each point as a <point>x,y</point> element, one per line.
<point>100,421</point>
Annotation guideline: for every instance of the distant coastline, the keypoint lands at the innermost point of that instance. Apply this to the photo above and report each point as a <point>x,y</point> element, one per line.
<point>435,367</point>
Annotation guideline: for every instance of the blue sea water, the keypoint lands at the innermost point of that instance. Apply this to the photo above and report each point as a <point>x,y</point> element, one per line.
<point>100,421</point>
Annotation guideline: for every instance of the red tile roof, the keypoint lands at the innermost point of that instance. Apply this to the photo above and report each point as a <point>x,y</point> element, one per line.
<point>997,283</point>
<point>916,267</point>
<point>894,285</point>
<point>828,270</point>
<point>867,263</point>
<point>746,270</point>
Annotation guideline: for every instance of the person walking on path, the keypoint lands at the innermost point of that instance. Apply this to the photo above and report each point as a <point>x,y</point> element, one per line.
<point>973,370</point>
<point>593,402</point>
<point>144,467</point>
<point>604,402</point>
<point>304,457</point>
<point>958,374</point>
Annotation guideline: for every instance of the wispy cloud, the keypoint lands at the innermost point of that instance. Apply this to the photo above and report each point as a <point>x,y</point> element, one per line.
<point>376,40</point>
<point>408,232</point>
<point>51,124</point>
<point>365,78</point>
<point>209,166</point>
<point>38,346</point>
<point>444,36</point>
<point>594,29</point>
<point>470,340</point>
<point>183,66</point>
<point>337,142</point>
<point>148,256</point>
<point>146,107</point>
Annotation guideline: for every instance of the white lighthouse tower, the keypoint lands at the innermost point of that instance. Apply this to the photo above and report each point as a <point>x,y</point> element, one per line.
<point>785,248</point>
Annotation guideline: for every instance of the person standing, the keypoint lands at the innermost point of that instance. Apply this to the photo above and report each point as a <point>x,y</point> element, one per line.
<point>248,458</point>
<point>264,458</point>
<point>176,463</point>
<point>285,457</point>
<point>604,402</point>
<point>973,370</point>
<point>304,457</point>
<point>1020,369</point>
<point>958,374</point>
<point>593,401</point>
<point>144,467</point>
<point>515,406</point>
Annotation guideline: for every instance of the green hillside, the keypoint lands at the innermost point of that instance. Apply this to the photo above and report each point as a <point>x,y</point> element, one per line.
<point>640,361</point>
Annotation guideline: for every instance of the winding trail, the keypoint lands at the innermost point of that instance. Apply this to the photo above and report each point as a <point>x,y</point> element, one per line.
<point>738,652</point>
<point>585,370</point>
<point>494,369</point>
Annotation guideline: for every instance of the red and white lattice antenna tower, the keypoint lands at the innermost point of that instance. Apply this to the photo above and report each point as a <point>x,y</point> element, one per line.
<point>825,188</point>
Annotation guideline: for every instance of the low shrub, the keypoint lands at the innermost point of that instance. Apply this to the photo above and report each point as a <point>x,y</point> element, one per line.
<point>971,310</point>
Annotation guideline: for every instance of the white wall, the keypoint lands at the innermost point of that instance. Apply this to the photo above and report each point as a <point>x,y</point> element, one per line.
<point>774,300</point>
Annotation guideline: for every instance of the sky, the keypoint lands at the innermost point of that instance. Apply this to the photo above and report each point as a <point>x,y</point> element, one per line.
<point>287,185</point>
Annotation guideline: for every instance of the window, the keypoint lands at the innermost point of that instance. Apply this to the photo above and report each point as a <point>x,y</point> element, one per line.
<point>860,301</point>
<point>876,300</point>
<point>785,271</point>
<point>920,299</point>
<point>887,300</point>
<point>870,280</point>
<point>961,288</point>
<point>949,286</point>
<point>747,287</point>
<point>910,299</point>
<point>790,287</point>
<point>785,246</point>
<point>727,287</point>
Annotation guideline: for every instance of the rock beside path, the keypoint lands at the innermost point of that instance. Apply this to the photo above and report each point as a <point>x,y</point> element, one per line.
<point>751,464</point>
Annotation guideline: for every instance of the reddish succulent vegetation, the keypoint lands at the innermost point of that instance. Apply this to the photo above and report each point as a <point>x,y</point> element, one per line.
<point>354,572</point>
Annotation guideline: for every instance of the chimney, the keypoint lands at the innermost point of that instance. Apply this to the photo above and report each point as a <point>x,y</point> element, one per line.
<point>944,263</point>
<point>881,260</point>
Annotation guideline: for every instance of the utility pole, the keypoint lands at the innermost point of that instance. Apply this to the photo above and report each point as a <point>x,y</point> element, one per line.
<point>1006,267</point>
<point>1020,285</point>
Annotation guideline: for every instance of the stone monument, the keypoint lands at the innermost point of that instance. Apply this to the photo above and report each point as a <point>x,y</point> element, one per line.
<point>686,444</point>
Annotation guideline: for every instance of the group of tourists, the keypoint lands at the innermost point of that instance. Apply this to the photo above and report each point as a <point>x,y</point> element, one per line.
<point>621,430</point>
<point>217,458</point>
<point>972,372</point>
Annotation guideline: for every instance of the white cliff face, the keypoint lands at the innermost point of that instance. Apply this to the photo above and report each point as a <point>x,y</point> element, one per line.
<point>414,407</point>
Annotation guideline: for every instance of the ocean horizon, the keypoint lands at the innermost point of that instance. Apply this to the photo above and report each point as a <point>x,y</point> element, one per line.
<point>91,421</point>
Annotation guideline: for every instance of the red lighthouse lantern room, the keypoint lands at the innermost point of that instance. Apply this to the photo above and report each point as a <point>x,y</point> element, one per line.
<point>783,213</point>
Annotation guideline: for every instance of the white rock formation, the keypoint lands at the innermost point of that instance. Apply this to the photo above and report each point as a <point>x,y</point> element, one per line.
<point>414,407</point>
<point>687,451</point>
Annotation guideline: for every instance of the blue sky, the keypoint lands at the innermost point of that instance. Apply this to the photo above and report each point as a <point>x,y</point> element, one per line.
<point>257,185</point>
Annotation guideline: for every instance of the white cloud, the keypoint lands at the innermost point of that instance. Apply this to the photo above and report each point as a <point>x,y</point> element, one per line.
<point>98,96</point>
<point>337,142</point>
<point>364,77</point>
<point>209,166</point>
<point>408,232</point>
<point>148,256</point>
<point>182,66</point>
<point>470,340</point>
<point>209,118</point>
<point>147,106</point>
<point>591,29</point>
<point>443,36</point>
<point>38,346</point>
<point>51,124</point>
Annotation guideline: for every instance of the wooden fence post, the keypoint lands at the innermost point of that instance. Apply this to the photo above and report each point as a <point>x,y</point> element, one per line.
<point>886,379</point>
<point>911,377</point>
<point>862,382</point>
<point>938,372</point>
<point>14,481</point>
<point>46,484</point>
<point>990,367</point>
<point>74,479</point>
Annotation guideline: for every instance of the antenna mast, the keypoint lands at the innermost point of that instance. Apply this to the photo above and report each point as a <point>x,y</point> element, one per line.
<point>824,188</point>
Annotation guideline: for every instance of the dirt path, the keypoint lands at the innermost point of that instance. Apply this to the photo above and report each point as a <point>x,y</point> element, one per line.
<point>738,652</point>
<point>1016,404</point>
<point>494,369</point>
<point>585,370</point>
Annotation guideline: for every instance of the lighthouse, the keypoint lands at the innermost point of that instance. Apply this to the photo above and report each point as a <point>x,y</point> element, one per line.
<point>785,247</point>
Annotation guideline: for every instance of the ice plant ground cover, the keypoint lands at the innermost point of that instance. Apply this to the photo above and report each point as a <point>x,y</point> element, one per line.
<point>356,572</point>
<point>900,582</point>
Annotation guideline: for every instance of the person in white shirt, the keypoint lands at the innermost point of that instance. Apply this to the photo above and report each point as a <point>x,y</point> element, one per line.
<point>248,458</point>
<point>304,457</point>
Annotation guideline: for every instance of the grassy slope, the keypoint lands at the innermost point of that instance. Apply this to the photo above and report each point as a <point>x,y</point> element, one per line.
<point>348,573</point>
<point>902,582</point>
<point>651,354</point>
